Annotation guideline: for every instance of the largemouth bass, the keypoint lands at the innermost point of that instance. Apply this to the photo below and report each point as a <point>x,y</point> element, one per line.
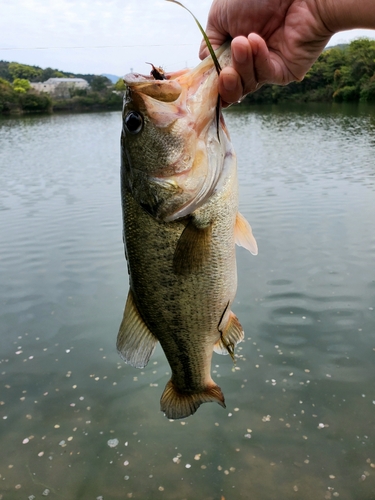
<point>181,222</point>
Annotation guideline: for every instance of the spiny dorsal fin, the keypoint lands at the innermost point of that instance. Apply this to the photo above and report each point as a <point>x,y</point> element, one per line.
<point>243,235</point>
<point>135,342</point>
<point>230,337</point>
<point>193,249</point>
<point>175,404</point>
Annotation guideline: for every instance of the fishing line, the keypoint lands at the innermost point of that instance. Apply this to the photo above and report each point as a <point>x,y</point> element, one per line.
<point>98,46</point>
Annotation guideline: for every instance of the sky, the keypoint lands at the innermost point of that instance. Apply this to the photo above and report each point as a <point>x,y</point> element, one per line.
<point>107,36</point>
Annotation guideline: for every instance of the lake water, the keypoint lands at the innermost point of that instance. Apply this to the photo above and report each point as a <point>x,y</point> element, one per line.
<point>77,423</point>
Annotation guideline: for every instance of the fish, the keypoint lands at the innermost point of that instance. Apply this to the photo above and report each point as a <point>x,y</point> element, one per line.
<point>179,193</point>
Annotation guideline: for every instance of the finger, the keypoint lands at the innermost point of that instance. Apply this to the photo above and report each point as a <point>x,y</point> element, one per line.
<point>253,65</point>
<point>268,66</point>
<point>250,68</point>
<point>230,85</point>
<point>239,79</point>
<point>243,63</point>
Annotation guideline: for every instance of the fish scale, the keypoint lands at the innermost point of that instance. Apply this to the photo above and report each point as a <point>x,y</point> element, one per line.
<point>184,307</point>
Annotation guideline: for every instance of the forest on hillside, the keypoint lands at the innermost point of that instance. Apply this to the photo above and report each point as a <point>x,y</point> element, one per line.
<point>344,73</point>
<point>17,96</point>
<point>11,70</point>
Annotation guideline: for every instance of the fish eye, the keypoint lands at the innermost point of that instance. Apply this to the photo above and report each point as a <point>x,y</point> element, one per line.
<point>133,122</point>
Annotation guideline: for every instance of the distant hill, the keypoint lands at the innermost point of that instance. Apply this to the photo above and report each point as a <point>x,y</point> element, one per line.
<point>113,78</point>
<point>11,70</point>
<point>341,46</point>
<point>19,94</point>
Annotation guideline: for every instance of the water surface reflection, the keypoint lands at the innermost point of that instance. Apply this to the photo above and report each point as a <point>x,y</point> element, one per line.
<point>301,400</point>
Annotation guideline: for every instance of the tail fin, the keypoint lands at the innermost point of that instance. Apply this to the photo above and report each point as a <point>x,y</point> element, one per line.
<point>175,404</point>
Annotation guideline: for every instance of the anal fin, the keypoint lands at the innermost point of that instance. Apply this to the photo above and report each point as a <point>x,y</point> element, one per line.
<point>230,336</point>
<point>176,404</point>
<point>135,342</point>
<point>243,235</point>
<point>192,248</point>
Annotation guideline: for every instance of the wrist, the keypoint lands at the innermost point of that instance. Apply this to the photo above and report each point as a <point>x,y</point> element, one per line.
<point>340,15</point>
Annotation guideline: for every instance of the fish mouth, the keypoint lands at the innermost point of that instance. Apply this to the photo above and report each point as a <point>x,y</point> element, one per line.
<point>182,106</point>
<point>171,88</point>
<point>187,92</point>
<point>168,90</point>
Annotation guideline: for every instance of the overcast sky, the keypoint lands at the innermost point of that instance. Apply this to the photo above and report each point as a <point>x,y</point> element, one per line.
<point>107,36</point>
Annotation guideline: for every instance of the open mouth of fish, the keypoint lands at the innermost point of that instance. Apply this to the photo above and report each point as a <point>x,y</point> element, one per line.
<point>184,101</point>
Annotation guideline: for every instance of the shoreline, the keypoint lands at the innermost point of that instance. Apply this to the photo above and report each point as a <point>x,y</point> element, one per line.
<point>244,107</point>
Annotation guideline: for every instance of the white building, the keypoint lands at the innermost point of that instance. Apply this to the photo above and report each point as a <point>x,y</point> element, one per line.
<point>59,88</point>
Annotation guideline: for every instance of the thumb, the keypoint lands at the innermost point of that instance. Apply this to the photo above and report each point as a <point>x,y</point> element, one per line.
<point>203,50</point>
<point>216,38</point>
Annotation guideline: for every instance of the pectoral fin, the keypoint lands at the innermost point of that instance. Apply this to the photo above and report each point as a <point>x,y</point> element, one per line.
<point>243,235</point>
<point>135,342</point>
<point>193,249</point>
<point>230,336</point>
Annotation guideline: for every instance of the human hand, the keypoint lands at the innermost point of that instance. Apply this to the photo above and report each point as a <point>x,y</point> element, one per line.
<point>274,41</point>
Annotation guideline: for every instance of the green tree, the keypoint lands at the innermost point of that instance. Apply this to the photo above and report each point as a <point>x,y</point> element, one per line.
<point>100,83</point>
<point>120,85</point>
<point>368,90</point>
<point>362,58</point>
<point>51,73</point>
<point>8,98</point>
<point>21,85</point>
<point>35,103</point>
<point>4,71</point>
<point>353,77</point>
<point>31,73</point>
<point>4,83</point>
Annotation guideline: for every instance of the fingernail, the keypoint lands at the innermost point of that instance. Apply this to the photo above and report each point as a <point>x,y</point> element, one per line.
<point>230,82</point>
